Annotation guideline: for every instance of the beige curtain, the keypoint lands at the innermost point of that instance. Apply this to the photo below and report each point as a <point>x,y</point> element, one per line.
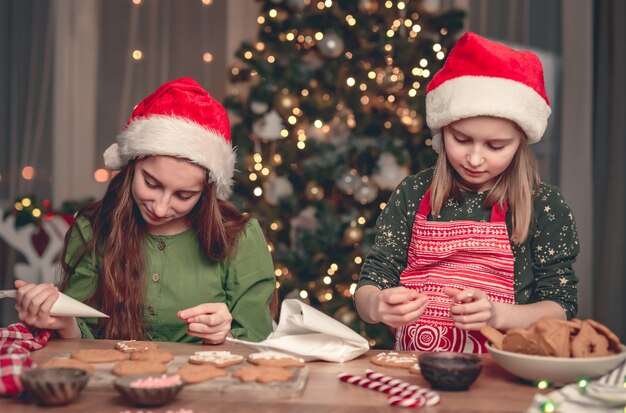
<point>609,146</point>
<point>25,116</point>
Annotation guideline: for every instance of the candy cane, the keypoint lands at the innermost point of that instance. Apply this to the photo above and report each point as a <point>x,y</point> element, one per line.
<point>364,382</point>
<point>372,375</point>
<point>408,390</point>
<point>415,400</point>
<point>406,402</point>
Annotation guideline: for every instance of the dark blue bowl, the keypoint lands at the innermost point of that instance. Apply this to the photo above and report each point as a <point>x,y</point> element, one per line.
<point>450,371</point>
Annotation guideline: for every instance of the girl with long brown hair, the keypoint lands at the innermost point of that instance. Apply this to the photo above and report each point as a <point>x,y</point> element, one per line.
<point>477,240</point>
<point>163,253</point>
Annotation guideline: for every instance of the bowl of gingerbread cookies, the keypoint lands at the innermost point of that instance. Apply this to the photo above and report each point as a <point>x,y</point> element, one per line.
<point>558,351</point>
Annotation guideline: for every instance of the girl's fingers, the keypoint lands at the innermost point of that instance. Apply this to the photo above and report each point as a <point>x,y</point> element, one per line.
<point>19,284</point>
<point>203,331</point>
<point>214,339</point>
<point>46,306</point>
<point>471,308</point>
<point>212,320</point>
<point>398,295</point>
<point>452,292</point>
<point>39,295</point>
<point>472,326</point>
<point>202,309</point>
<point>404,308</point>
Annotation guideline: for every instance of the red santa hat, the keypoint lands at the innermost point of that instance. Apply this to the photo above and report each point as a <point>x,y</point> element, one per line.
<point>179,119</point>
<point>485,78</point>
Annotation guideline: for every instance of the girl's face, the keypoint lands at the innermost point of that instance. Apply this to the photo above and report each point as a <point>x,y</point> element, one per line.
<point>480,149</point>
<point>165,190</point>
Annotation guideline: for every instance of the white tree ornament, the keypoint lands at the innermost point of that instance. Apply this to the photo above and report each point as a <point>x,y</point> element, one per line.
<point>389,173</point>
<point>269,126</point>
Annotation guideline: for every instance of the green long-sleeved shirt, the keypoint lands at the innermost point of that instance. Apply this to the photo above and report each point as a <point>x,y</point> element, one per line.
<point>178,276</point>
<point>543,263</point>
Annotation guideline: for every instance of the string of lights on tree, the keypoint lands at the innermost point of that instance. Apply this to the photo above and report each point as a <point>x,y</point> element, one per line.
<point>328,117</point>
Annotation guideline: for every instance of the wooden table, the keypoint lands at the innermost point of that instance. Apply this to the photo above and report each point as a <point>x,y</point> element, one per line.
<point>494,391</point>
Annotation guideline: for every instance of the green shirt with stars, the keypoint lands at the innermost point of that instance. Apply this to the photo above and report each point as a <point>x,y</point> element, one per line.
<point>178,276</point>
<point>542,264</point>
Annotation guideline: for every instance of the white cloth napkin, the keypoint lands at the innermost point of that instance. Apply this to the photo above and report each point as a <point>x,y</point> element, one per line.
<point>307,333</point>
<point>604,395</point>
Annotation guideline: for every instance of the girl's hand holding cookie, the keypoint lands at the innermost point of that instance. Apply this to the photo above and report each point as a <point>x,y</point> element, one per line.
<point>209,321</point>
<point>33,303</point>
<point>471,309</point>
<point>399,306</point>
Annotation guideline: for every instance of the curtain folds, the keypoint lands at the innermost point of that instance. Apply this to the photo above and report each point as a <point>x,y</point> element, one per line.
<point>609,144</point>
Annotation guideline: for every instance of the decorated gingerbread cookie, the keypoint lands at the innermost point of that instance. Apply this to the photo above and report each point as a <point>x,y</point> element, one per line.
<point>394,359</point>
<point>275,359</point>
<point>216,358</point>
<point>134,345</point>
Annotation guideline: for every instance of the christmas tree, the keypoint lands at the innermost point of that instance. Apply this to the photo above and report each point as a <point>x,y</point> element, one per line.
<point>332,119</point>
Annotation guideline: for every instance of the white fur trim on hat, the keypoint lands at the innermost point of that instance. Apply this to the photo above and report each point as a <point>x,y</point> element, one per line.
<point>178,137</point>
<point>470,96</point>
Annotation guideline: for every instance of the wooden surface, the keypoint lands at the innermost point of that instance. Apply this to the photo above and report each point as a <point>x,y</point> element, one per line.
<point>495,390</point>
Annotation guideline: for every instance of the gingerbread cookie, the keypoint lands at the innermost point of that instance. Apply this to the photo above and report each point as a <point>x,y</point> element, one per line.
<point>554,335</point>
<point>614,341</point>
<point>196,373</point>
<point>69,363</point>
<point>493,335</point>
<point>519,340</point>
<point>275,359</point>
<point>158,356</point>
<point>262,374</point>
<point>589,343</point>
<point>99,355</point>
<point>134,345</point>
<point>394,359</point>
<point>133,368</point>
<point>216,358</point>
<point>415,369</point>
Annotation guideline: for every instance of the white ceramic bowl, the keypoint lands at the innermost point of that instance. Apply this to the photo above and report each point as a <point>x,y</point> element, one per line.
<point>559,370</point>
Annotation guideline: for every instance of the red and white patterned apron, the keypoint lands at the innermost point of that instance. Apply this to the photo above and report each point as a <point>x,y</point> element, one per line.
<point>458,254</point>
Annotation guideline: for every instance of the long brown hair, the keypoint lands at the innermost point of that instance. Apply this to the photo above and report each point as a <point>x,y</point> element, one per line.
<point>515,186</point>
<point>119,233</point>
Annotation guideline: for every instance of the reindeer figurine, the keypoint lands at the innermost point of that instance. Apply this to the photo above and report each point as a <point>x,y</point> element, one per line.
<point>40,267</point>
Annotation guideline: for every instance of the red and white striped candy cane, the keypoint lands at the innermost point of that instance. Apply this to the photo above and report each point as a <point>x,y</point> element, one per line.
<point>364,382</point>
<point>431,397</point>
<point>415,400</point>
<point>373,375</point>
<point>406,402</point>
<point>408,390</point>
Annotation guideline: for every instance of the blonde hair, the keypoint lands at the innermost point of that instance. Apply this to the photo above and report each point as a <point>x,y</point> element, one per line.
<point>514,186</point>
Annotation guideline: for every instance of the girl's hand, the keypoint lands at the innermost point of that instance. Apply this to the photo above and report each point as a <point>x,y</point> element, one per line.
<point>398,306</point>
<point>209,321</point>
<point>471,309</point>
<point>33,303</point>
